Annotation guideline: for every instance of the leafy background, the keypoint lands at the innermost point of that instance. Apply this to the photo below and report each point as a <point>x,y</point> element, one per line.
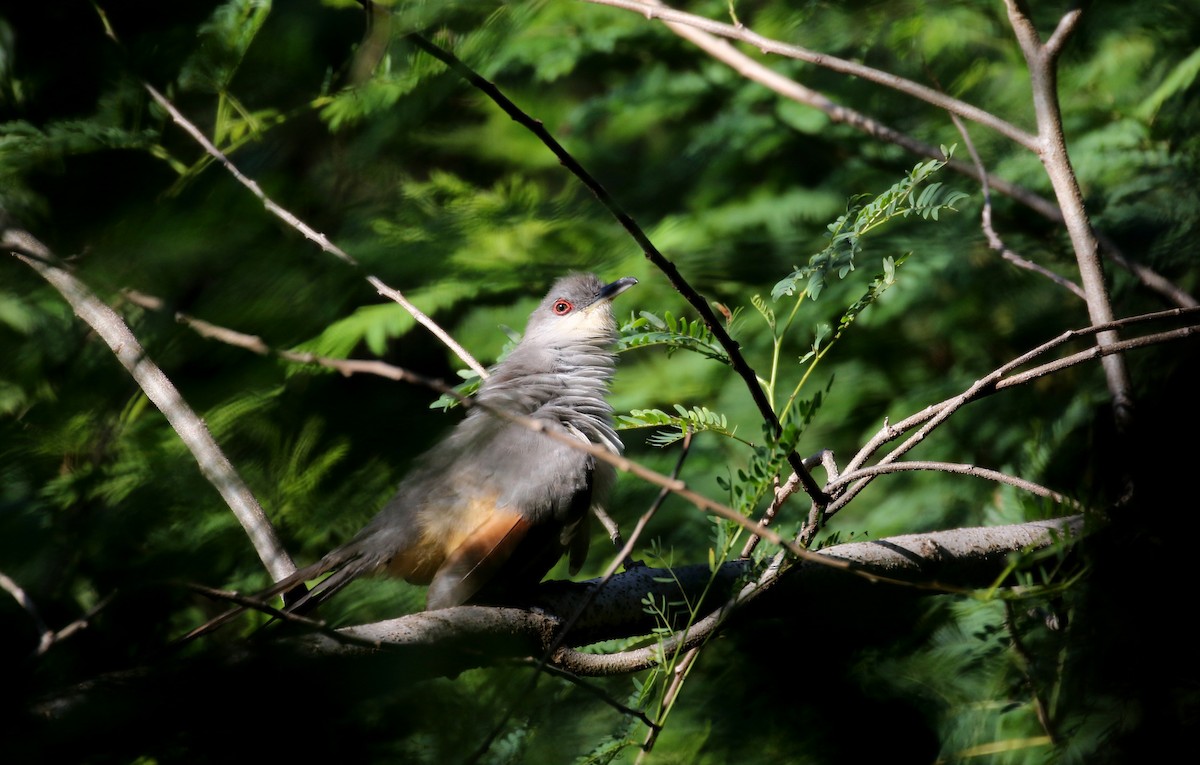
<point>436,191</point>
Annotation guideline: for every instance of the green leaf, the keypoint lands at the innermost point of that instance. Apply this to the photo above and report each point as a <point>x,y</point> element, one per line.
<point>675,333</point>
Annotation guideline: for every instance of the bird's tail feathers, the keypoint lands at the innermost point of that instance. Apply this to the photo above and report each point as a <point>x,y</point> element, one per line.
<point>347,564</point>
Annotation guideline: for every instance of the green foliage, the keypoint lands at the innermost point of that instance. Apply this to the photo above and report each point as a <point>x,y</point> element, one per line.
<point>675,333</point>
<point>223,42</point>
<point>437,192</point>
<point>695,420</point>
<point>863,217</point>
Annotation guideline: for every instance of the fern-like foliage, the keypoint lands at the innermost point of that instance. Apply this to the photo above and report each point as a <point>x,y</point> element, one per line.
<point>905,198</point>
<point>675,333</point>
<point>750,484</point>
<point>824,334</point>
<point>693,420</point>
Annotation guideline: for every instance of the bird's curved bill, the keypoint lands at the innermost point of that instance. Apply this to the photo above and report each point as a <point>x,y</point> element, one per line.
<point>610,291</point>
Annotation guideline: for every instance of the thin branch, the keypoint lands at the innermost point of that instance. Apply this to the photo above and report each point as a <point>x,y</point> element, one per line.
<point>245,602</point>
<point>779,495</point>
<point>787,489</point>
<point>833,63</point>
<point>816,513</point>
<point>736,360</point>
<point>255,344</point>
<point>1024,664</point>
<point>679,673</point>
<point>45,634</point>
<point>1006,377</point>
<point>1066,27</point>
<point>626,551</point>
<point>993,239</point>
<point>311,234</point>
<point>1095,352</point>
<point>192,431</point>
<point>599,693</point>
<point>959,468</point>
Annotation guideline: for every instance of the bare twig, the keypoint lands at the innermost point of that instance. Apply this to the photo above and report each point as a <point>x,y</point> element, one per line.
<point>45,634</point>
<point>1006,377</point>
<point>787,489</point>
<point>257,604</point>
<point>816,513</point>
<point>624,556</point>
<point>993,239</point>
<point>954,467</point>
<point>599,693</point>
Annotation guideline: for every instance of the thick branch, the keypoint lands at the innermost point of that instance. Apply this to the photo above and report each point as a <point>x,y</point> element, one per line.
<point>1051,147</point>
<point>469,636</point>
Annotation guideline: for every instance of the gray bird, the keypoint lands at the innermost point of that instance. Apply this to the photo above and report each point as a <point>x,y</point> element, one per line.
<point>492,507</point>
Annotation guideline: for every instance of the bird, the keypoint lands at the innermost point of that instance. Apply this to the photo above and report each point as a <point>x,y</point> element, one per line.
<point>486,512</point>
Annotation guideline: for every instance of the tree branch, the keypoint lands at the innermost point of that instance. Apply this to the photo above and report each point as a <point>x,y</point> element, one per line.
<point>468,636</point>
<point>1007,377</point>
<point>311,234</point>
<point>1051,148</point>
<point>993,239</point>
<point>766,45</point>
<point>192,431</point>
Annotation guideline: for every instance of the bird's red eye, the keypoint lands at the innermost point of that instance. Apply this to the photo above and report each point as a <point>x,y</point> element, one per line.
<point>562,307</point>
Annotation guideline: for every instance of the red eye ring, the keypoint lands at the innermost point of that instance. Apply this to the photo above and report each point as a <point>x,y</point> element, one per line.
<point>562,307</point>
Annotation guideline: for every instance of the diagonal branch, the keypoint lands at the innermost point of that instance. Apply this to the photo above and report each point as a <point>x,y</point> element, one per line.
<point>668,268</point>
<point>1004,377</point>
<point>159,389</point>
<point>655,10</point>
<point>993,239</point>
<point>310,233</point>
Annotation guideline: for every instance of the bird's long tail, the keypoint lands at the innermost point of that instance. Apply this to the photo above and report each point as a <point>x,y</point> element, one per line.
<point>346,565</point>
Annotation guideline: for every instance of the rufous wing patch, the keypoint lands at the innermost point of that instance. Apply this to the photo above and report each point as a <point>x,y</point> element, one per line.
<point>445,526</point>
<point>475,561</point>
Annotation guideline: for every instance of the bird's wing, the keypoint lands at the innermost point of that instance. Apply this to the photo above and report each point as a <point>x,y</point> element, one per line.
<point>477,559</point>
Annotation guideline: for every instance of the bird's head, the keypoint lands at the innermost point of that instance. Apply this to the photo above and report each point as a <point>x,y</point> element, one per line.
<point>577,309</point>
